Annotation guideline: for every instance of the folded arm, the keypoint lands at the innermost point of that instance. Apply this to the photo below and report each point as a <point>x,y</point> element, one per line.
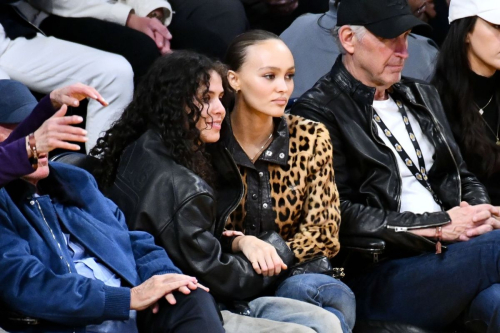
<point>198,252</point>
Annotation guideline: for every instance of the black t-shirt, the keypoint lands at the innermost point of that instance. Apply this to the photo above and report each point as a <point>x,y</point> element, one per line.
<point>485,92</point>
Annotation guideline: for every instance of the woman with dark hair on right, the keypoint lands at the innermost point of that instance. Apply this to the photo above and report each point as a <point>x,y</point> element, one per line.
<point>468,80</point>
<point>156,167</point>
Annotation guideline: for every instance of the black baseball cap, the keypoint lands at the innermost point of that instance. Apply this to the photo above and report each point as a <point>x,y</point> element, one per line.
<point>384,18</point>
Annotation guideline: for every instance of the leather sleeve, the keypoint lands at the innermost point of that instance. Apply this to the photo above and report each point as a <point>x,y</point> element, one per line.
<point>189,241</point>
<point>359,219</point>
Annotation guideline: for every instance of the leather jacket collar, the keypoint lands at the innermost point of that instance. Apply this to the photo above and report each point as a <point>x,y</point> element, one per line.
<point>360,93</point>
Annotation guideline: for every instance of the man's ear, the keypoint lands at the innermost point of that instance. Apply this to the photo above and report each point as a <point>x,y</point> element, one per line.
<point>234,80</point>
<point>347,38</point>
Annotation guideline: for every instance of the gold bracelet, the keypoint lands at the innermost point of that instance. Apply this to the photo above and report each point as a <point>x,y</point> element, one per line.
<point>32,144</point>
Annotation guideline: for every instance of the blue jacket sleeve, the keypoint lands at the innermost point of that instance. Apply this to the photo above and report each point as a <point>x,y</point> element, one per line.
<point>32,289</point>
<point>150,258</point>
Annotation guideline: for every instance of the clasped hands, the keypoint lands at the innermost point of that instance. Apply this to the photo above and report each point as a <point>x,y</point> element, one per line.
<point>471,221</point>
<point>466,222</point>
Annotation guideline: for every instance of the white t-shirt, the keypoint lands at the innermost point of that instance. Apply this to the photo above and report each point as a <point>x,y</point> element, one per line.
<point>414,197</point>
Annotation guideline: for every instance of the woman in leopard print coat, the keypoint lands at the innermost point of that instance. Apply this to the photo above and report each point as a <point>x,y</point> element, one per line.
<point>286,165</point>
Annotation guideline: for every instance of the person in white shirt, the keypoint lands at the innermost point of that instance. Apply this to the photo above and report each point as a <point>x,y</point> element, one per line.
<point>402,181</point>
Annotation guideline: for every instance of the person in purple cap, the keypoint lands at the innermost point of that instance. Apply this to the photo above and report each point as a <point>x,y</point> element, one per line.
<point>468,80</point>
<point>22,118</point>
<point>402,179</point>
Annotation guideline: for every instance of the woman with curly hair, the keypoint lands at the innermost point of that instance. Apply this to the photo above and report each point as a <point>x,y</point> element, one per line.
<point>468,80</point>
<point>286,163</point>
<point>156,167</point>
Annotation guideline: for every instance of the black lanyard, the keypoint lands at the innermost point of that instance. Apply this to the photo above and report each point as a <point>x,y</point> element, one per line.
<point>419,173</point>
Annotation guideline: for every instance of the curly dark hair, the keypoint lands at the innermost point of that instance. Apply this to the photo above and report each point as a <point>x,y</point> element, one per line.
<point>169,100</point>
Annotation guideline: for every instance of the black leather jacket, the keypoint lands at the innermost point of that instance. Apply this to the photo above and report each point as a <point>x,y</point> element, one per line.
<point>366,170</point>
<point>187,218</point>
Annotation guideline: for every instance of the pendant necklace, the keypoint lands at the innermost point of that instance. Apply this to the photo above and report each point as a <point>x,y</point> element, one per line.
<point>261,148</point>
<point>252,159</point>
<point>481,111</point>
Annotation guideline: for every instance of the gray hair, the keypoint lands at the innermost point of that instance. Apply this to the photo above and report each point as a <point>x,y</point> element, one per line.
<point>358,30</point>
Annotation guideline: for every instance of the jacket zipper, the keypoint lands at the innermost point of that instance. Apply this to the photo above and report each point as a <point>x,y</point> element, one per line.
<point>377,139</point>
<point>53,236</point>
<point>231,209</point>
<point>404,229</point>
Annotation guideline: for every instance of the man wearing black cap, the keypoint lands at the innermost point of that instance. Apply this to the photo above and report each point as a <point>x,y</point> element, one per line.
<point>401,178</point>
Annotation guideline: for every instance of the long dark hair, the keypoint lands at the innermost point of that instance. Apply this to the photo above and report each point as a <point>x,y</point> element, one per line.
<point>169,99</point>
<point>453,79</point>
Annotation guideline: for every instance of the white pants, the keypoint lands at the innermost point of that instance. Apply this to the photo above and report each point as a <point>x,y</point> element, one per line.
<point>285,315</point>
<point>46,63</point>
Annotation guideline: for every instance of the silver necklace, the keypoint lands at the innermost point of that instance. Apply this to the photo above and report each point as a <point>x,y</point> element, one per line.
<point>481,111</point>
<point>252,159</point>
<point>261,148</point>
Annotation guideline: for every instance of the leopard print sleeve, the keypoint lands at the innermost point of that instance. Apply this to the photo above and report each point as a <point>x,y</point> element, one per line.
<point>318,230</point>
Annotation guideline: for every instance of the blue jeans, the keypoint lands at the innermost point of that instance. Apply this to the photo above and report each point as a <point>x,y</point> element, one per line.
<point>324,291</point>
<point>431,290</point>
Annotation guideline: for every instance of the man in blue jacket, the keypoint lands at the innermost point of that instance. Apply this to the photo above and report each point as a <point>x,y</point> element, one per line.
<point>68,260</point>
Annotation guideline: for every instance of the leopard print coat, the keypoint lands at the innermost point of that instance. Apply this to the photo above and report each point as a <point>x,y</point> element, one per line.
<point>304,196</point>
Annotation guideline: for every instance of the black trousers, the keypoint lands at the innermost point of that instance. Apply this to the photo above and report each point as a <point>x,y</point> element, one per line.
<point>261,18</point>
<point>224,18</point>
<point>196,312</point>
<point>138,48</point>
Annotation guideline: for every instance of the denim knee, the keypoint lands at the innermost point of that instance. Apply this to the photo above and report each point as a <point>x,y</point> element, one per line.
<point>322,290</point>
<point>316,286</point>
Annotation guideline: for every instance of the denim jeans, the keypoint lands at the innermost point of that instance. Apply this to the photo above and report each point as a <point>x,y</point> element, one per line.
<point>278,314</point>
<point>432,290</point>
<point>324,291</point>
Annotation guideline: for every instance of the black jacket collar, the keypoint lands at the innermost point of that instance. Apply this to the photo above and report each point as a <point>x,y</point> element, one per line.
<point>360,93</point>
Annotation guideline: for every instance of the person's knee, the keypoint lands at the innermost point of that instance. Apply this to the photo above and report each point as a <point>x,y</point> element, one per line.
<point>316,285</point>
<point>301,286</point>
<point>115,73</point>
